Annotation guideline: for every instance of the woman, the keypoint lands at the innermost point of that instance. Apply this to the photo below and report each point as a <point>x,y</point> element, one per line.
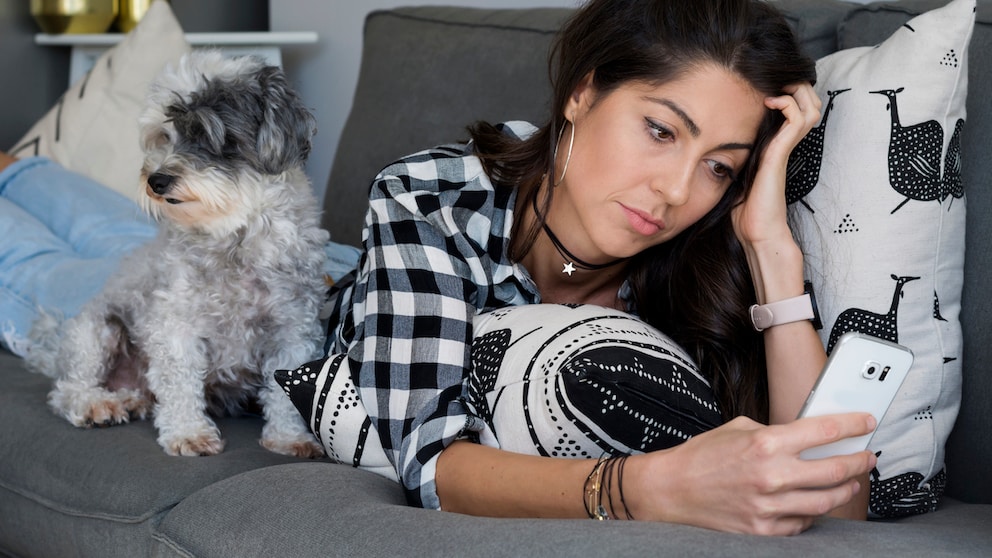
<point>657,188</point>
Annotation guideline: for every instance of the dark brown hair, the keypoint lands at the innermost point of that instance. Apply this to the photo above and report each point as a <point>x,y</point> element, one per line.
<point>697,287</point>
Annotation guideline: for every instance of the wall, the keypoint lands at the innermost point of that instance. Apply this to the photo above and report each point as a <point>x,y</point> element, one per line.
<point>34,77</point>
<point>326,73</point>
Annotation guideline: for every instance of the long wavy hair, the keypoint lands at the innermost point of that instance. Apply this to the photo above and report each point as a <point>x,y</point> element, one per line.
<point>697,287</point>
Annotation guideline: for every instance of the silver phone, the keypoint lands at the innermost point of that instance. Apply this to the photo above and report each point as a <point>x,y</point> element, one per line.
<point>863,374</point>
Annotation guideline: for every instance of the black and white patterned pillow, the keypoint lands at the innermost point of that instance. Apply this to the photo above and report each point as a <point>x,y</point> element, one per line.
<point>575,381</point>
<point>546,379</point>
<point>878,204</point>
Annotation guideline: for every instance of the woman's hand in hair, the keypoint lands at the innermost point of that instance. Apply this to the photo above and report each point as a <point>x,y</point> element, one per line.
<point>746,477</point>
<point>760,219</point>
<point>761,216</point>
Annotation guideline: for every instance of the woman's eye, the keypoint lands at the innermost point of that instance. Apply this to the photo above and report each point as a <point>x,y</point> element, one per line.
<point>721,170</point>
<point>658,131</point>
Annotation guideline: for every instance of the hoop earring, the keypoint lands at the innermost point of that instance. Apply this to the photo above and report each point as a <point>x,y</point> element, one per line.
<point>568,156</point>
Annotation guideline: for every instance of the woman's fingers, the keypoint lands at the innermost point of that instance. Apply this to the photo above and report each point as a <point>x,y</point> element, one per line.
<point>747,477</point>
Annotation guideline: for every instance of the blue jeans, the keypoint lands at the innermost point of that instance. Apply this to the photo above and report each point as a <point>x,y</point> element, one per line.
<point>62,235</point>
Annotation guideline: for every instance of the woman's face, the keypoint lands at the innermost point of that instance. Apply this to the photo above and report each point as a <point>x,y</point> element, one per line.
<point>648,161</point>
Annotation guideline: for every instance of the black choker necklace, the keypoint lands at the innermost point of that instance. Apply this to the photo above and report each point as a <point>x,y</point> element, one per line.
<point>571,262</point>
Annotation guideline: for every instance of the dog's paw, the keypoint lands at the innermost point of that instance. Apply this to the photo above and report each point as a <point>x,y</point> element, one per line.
<point>209,443</point>
<point>95,407</point>
<point>305,448</point>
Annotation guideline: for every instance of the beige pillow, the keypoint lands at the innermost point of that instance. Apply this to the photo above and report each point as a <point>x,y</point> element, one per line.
<point>93,128</point>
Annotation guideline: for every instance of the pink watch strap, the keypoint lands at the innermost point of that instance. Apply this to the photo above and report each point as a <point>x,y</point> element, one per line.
<point>782,312</point>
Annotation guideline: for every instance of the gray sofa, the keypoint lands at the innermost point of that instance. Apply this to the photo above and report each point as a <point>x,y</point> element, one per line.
<point>426,73</point>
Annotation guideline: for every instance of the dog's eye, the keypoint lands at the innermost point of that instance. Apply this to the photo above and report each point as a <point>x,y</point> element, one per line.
<point>161,139</point>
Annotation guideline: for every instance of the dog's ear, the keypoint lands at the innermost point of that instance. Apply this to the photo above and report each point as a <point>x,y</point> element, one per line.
<point>287,128</point>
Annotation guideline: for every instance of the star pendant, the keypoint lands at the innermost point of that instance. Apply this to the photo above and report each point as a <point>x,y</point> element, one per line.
<point>569,268</point>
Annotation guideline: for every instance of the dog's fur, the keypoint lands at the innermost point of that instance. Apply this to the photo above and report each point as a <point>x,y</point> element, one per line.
<point>196,321</point>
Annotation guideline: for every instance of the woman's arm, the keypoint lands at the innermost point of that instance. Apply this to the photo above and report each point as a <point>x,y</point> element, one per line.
<point>794,351</point>
<point>741,477</point>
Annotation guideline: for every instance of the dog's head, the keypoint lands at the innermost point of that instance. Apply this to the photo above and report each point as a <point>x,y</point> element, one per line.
<point>215,132</point>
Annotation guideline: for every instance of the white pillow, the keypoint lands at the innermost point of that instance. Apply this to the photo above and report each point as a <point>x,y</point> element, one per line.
<point>93,129</point>
<point>880,214</point>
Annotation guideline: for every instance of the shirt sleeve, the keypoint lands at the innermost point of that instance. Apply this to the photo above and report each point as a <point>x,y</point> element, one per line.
<point>417,300</point>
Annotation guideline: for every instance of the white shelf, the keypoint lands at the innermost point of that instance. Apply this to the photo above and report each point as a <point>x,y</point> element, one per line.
<point>86,48</point>
<point>245,38</point>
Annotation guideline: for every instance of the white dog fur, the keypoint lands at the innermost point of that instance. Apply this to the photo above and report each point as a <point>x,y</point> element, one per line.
<point>195,322</point>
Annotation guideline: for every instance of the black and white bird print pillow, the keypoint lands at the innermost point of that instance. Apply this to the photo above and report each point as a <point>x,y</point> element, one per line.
<point>877,202</point>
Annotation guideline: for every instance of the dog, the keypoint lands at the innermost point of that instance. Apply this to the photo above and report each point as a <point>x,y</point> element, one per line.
<point>195,322</point>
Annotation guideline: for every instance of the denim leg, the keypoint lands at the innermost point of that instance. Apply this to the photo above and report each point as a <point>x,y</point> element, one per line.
<point>92,219</point>
<point>61,236</point>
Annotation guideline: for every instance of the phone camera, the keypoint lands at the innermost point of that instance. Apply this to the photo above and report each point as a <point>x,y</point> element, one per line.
<point>870,370</point>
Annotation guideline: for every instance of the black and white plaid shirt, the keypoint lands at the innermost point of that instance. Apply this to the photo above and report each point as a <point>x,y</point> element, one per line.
<point>436,238</point>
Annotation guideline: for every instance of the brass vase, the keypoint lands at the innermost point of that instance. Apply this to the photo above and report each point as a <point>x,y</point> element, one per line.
<point>131,13</point>
<point>74,16</point>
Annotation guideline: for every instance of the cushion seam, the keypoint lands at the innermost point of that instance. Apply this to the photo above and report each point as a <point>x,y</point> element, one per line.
<point>66,510</point>
<point>425,19</point>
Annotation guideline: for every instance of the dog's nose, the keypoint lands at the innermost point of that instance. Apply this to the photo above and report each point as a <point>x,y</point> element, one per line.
<point>160,182</point>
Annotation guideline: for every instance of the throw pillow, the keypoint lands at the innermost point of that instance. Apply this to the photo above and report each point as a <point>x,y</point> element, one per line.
<point>877,204</point>
<point>539,373</point>
<point>580,380</point>
<point>93,128</point>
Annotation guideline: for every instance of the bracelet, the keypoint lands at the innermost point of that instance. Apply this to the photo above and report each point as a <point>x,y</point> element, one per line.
<point>596,483</point>
<point>593,490</point>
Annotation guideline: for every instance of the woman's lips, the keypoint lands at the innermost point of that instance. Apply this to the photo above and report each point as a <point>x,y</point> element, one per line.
<point>642,222</point>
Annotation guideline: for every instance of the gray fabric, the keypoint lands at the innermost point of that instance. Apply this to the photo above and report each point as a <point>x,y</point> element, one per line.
<point>336,510</point>
<point>969,450</point>
<point>426,74</point>
<point>108,482</point>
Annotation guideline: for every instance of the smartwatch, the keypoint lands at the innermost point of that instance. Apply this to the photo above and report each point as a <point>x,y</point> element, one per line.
<point>802,307</point>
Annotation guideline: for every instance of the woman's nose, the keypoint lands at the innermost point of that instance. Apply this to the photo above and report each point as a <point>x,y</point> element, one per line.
<point>674,186</point>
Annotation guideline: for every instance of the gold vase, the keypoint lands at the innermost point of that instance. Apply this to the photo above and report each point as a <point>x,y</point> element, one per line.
<point>74,16</point>
<point>131,13</point>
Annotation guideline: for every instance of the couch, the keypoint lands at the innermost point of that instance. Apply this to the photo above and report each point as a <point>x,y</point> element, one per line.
<point>426,73</point>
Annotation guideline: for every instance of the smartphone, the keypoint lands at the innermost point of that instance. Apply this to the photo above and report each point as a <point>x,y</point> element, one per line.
<point>863,374</point>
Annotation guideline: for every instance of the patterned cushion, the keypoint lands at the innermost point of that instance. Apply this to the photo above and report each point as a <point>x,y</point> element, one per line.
<point>547,379</point>
<point>878,204</point>
<point>93,128</point>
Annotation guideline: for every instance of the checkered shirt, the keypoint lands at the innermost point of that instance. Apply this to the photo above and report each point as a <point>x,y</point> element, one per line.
<point>436,237</point>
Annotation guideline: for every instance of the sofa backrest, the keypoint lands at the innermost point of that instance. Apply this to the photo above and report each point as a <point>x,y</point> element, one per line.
<point>428,72</point>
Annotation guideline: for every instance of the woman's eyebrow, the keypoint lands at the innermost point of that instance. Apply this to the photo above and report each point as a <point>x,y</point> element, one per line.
<point>690,124</point>
<point>686,119</point>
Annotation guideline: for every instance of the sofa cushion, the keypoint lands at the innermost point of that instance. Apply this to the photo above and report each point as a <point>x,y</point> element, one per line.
<point>969,448</point>
<point>93,128</point>
<point>501,76</point>
<point>321,509</point>
<point>878,209</point>
<point>110,480</point>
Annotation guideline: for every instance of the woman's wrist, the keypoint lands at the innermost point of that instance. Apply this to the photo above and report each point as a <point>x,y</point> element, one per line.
<point>776,269</point>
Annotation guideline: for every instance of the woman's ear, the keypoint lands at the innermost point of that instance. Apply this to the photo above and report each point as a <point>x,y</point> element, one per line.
<point>581,99</point>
